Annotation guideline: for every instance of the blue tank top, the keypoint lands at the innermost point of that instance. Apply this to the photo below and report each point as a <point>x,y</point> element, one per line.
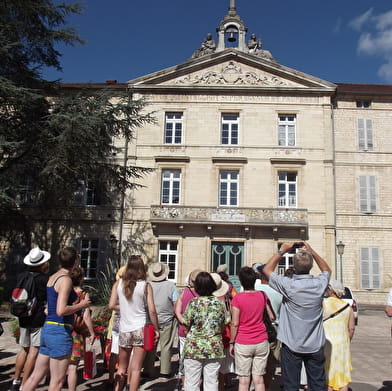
<point>52,297</point>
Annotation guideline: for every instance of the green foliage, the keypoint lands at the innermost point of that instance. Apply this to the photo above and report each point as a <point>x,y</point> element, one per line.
<point>51,139</point>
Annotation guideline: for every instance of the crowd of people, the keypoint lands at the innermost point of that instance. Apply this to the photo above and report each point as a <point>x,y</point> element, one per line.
<point>220,331</point>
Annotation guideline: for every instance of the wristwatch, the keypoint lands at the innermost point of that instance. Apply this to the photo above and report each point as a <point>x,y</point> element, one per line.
<point>280,252</point>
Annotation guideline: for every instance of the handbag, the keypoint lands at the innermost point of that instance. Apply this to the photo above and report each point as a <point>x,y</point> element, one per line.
<point>148,329</point>
<point>90,363</point>
<point>271,330</point>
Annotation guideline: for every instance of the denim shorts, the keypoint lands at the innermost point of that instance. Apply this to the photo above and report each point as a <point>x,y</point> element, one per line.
<point>56,340</point>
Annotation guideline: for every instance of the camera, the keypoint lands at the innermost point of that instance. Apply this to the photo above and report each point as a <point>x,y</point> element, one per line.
<point>298,245</point>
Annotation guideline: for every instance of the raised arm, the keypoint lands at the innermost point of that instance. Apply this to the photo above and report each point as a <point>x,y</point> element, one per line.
<point>274,260</point>
<point>321,263</point>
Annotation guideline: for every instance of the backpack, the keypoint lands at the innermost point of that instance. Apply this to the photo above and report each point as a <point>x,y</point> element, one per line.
<point>24,296</point>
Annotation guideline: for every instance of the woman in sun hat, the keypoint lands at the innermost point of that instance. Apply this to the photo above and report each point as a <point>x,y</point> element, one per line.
<point>56,338</point>
<point>30,327</point>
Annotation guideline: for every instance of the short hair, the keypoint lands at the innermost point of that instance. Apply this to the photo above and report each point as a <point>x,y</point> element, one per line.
<point>77,276</point>
<point>204,284</point>
<point>247,277</point>
<point>303,262</point>
<point>337,287</point>
<point>67,257</point>
<point>289,272</point>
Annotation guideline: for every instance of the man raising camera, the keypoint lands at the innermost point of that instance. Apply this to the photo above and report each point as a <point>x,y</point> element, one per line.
<point>300,327</point>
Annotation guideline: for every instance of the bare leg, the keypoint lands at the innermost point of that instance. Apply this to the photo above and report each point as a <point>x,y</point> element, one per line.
<point>244,382</point>
<point>72,378</point>
<point>258,381</point>
<point>20,362</point>
<point>135,367</point>
<point>123,362</point>
<point>39,372</point>
<point>30,362</point>
<point>58,370</point>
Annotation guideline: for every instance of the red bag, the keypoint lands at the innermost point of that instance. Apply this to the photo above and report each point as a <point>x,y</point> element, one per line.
<point>148,337</point>
<point>90,364</point>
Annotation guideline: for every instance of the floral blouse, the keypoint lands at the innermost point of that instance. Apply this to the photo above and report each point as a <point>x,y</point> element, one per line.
<point>205,317</point>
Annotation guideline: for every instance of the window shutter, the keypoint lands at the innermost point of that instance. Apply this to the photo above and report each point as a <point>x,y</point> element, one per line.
<point>367,193</point>
<point>365,278</point>
<point>282,135</point>
<point>361,134</point>
<point>369,134</point>
<point>375,268</point>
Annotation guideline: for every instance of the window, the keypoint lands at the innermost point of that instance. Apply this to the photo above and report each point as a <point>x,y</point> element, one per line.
<point>171,185</point>
<point>363,104</point>
<point>230,125</point>
<point>27,194</point>
<point>287,183</point>
<point>87,194</point>
<point>365,134</point>
<point>367,193</point>
<point>173,128</point>
<point>286,130</point>
<point>168,254</point>
<point>89,257</point>
<point>286,260</point>
<point>228,188</point>
<point>370,268</point>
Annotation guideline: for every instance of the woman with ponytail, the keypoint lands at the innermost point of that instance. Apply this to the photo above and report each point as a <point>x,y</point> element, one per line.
<point>128,298</point>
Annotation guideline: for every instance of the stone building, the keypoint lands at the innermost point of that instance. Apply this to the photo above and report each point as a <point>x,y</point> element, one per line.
<point>248,153</point>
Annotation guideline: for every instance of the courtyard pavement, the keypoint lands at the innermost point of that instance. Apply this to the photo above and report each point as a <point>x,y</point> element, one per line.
<point>371,357</point>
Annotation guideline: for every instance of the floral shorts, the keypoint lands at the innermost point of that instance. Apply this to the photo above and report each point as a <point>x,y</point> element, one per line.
<point>131,338</point>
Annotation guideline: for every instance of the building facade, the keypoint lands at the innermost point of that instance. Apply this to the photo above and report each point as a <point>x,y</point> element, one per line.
<point>248,153</point>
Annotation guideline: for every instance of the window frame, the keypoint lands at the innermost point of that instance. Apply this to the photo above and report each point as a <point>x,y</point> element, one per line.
<point>229,182</point>
<point>287,184</point>
<point>89,249</point>
<point>171,140</point>
<point>284,127</point>
<point>169,252</point>
<point>230,124</point>
<point>171,181</point>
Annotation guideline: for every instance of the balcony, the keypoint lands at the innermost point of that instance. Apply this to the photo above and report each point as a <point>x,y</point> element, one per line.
<point>274,217</point>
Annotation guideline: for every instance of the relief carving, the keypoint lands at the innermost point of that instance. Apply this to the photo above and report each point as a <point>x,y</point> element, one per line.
<point>232,74</point>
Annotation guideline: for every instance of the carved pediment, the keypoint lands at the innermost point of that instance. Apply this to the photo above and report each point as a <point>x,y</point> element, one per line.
<point>233,73</point>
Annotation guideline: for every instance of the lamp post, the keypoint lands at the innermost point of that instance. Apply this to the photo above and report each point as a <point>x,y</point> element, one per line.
<point>340,247</point>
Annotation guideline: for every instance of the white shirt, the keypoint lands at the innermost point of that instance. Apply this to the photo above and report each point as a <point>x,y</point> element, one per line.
<point>132,312</point>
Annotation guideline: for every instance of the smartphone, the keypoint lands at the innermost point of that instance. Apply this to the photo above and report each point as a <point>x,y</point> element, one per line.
<point>298,244</point>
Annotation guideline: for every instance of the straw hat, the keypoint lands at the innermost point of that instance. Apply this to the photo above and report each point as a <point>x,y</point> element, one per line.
<point>158,271</point>
<point>222,286</point>
<point>121,272</point>
<point>190,280</point>
<point>221,268</point>
<point>36,257</point>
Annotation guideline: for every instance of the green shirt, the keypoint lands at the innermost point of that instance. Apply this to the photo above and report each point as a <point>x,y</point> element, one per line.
<point>205,317</point>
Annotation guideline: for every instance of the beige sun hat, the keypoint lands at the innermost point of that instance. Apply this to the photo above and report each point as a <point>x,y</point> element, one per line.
<point>36,257</point>
<point>222,286</point>
<point>121,272</point>
<point>191,278</point>
<point>158,271</point>
<point>221,268</point>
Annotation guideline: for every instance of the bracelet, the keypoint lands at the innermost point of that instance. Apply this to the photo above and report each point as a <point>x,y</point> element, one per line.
<point>231,343</point>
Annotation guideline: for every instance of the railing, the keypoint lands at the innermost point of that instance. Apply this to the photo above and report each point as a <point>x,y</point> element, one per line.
<point>253,216</point>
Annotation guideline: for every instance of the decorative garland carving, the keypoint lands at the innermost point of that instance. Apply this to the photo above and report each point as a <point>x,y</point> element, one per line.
<point>232,74</point>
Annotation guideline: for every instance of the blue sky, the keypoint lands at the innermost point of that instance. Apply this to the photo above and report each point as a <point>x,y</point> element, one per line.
<point>337,40</point>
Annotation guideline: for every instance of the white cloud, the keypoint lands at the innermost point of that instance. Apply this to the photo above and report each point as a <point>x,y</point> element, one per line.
<point>376,38</point>
<point>385,71</point>
<point>361,20</point>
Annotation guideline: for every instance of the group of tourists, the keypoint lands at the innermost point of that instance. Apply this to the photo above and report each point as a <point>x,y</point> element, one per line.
<point>220,331</point>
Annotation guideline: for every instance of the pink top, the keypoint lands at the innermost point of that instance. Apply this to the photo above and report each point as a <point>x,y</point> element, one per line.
<point>187,295</point>
<point>251,329</point>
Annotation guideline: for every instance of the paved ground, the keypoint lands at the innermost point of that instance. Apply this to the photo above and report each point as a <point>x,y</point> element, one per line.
<point>371,351</point>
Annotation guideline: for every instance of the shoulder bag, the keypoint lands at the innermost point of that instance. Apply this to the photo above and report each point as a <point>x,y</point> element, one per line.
<point>148,329</point>
<point>271,330</point>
